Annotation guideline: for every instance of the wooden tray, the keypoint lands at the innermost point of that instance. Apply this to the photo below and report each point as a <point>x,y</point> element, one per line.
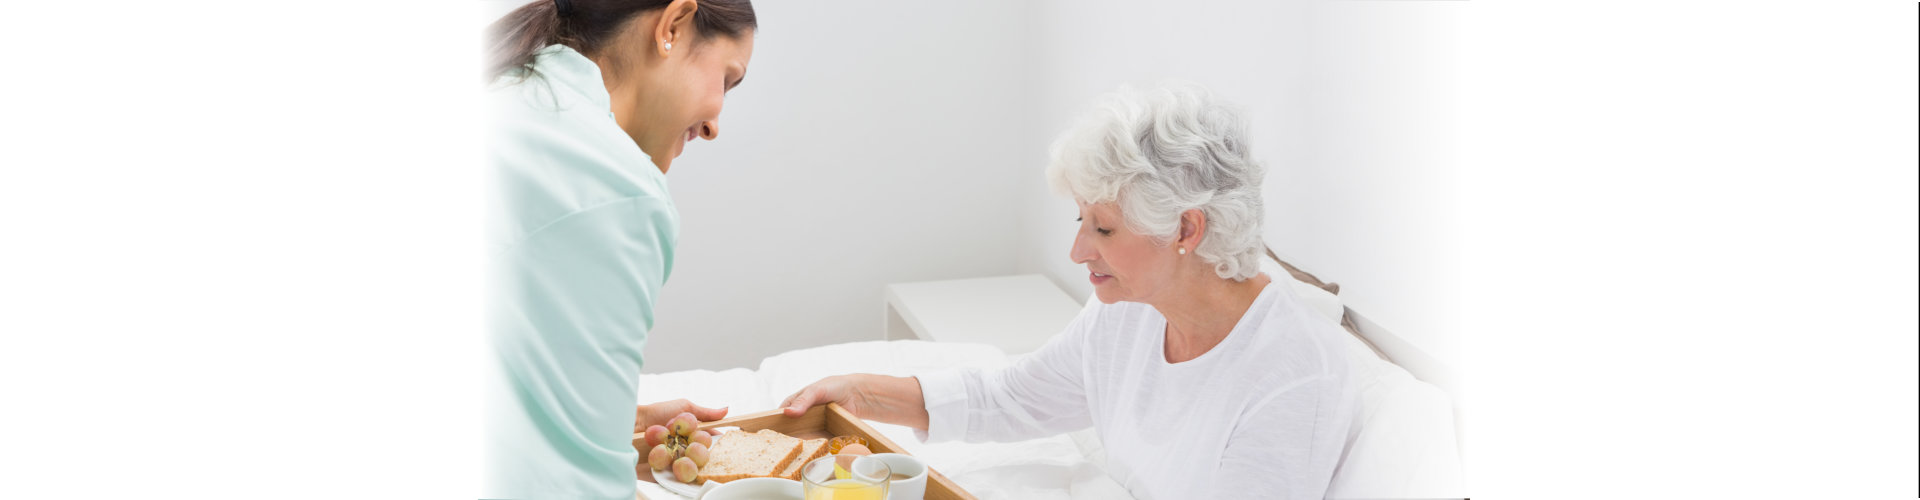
<point>820,422</point>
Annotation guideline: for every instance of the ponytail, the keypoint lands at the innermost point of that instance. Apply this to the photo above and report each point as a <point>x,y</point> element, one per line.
<point>587,25</point>
<point>512,40</point>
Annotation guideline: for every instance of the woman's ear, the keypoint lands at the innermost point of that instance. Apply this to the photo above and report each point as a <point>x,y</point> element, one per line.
<point>1193,225</point>
<point>676,22</point>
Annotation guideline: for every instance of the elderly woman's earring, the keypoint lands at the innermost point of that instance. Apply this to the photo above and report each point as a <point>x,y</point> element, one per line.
<point>669,46</point>
<point>1183,250</point>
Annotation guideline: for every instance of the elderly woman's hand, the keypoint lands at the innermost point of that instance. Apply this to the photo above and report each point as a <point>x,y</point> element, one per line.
<point>894,400</point>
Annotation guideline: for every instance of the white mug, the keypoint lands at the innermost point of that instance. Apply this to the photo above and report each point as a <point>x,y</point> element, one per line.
<point>753,488</point>
<point>914,487</point>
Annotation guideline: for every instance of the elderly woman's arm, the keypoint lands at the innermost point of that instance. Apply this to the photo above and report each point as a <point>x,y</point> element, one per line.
<point>1039,395</point>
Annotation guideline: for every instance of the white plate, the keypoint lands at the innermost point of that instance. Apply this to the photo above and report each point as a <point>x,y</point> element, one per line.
<point>665,480</point>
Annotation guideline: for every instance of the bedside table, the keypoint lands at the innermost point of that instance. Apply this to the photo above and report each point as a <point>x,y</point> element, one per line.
<point>1015,313</point>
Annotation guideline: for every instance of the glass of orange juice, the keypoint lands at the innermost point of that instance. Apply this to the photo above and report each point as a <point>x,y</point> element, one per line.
<point>845,477</point>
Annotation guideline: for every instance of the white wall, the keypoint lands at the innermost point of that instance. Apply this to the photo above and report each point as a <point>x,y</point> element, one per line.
<point>867,147</point>
<point>1351,109</point>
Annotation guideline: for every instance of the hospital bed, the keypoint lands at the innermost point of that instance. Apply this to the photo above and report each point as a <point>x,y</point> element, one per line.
<point>1404,444</point>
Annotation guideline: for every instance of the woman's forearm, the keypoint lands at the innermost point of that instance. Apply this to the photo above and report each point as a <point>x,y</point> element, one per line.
<point>893,400</point>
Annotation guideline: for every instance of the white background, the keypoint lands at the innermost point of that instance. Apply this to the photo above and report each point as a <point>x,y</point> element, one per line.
<point>241,237</point>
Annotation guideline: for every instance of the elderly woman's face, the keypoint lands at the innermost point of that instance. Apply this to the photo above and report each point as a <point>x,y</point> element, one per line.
<point>1123,265</point>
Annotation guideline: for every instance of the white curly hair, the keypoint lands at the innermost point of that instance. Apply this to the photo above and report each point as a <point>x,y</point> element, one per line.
<point>1159,152</point>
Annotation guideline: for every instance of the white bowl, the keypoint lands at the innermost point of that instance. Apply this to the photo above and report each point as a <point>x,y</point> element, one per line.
<point>754,488</point>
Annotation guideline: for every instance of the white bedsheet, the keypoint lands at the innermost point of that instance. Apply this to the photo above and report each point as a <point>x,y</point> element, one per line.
<point>1047,468</point>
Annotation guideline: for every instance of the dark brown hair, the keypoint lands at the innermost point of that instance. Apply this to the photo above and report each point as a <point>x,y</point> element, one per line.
<point>590,24</point>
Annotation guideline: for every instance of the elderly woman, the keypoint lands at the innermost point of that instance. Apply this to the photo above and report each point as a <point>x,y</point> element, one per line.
<point>1202,380</point>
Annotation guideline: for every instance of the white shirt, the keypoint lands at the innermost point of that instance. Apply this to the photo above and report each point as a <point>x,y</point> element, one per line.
<point>1264,414</point>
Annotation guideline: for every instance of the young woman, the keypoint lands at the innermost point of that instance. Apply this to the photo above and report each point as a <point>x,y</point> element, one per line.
<point>590,102</point>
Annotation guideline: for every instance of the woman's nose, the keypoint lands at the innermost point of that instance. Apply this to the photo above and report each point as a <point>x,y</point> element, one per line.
<point>1079,254</point>
<point>710,129</point>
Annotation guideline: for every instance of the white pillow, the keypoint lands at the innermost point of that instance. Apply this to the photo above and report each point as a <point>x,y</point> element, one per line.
<point>1402,441</point>
<point>1404,446</point>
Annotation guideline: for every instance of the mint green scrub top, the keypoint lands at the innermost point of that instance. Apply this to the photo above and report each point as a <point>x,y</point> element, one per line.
<point>582,241</point>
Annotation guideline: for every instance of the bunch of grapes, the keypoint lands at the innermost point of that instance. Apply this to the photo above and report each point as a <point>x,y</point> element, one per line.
<point>678,446</point>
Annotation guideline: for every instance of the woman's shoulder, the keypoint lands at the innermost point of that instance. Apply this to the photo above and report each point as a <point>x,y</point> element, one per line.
<point>1298,338</point>
<point>534,102</point>
<point>538,138</point>
<point>547,165</point>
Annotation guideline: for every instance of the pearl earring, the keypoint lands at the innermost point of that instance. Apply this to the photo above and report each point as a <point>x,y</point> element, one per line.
<point>1183,250</point>
<point>669,46</point>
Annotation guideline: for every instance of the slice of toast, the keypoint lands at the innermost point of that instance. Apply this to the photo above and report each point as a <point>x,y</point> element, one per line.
<point>809,450</point>
<point>740,455</point>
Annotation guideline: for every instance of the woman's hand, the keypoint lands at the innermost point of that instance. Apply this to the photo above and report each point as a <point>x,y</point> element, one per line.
<point>894,400</point>
<point>836,389</point>
<point>659,413</point>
